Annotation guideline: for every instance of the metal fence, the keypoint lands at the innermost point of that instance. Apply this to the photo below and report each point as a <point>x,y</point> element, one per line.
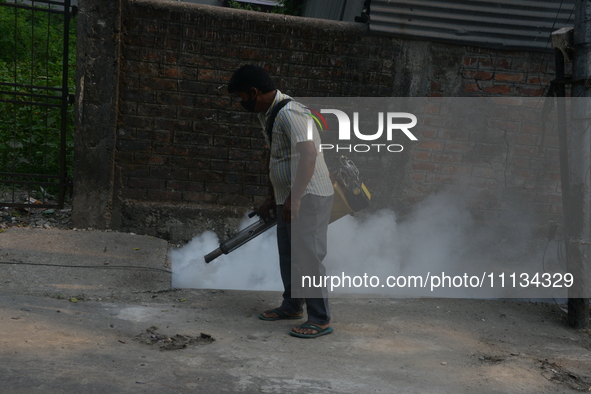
<point>36,97</point>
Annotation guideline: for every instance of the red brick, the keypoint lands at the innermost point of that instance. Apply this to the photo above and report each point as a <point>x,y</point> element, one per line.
<point>428,134</point>
<point>519,162</point>
<point>429,167</point>
<point>208,176</point>
<point>159,84</point>
<point>531,128</point>
<point>170,72</point>
<point>538,81</point>
<point>252,190</point>
<point>482,172</point>
<point>458,146</point>
<point>222,188</point>
<point>421,155</point>
<point>551,140</point>
<point>524,139</point>
<point>506,125</point>
<point>509,77</point>
<point>430,144</point>
<point>446,158</point>
<point>530,92</point>
<point>162,195</point>
<point>146,183</point>
<point>154,159</point>
<point>525,174</point>
<point>552,153</point>
<point>501,89</point>
<point>476,182</point>
<point>431,108</point>
<point>480,75</point>
<point>502,63</point>
<point>470,61</point>
<point>518,183</point>
<point>418,176</point>
<point>209,75</point>
<point>456,169</point>
<point>525,151</point>
<point>173,184</point>
<point>444,179</point>
<point>470,87</point>
<point>192,196</point>
<point>484,62</point>
<point>423,190</point>
<point>133,146</point>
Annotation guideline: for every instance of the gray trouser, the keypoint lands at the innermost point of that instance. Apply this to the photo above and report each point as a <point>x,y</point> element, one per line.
<point>302,247</point>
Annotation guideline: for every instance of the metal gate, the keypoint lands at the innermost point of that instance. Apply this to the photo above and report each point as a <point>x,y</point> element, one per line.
<point>36,113</point>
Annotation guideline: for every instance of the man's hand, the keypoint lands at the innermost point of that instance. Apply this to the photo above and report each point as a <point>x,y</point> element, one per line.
<point>267,207</point>
<point>291,210</point>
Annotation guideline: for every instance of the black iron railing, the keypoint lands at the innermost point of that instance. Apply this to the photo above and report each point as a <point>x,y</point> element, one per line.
<point>36,121</point>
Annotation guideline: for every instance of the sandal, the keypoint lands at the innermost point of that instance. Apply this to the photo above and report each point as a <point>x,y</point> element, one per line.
<point>321,331</point>
<point>281,315</point>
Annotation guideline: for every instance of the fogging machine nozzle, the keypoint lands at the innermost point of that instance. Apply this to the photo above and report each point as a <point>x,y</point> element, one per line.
<point>242,237</point>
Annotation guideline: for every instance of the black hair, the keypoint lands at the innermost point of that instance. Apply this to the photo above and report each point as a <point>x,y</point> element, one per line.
<point>250,76</point>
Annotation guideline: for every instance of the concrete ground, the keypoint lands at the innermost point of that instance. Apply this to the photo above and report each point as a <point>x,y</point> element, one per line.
<point>107,322</point>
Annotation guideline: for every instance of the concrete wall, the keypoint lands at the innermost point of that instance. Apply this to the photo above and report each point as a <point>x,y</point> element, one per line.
<point>97,86</point>
<point>162,149</point>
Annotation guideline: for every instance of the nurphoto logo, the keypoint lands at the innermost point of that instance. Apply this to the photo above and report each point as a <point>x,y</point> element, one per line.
<point>393,124</point>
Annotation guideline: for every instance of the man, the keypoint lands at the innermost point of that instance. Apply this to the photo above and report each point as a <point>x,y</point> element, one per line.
<point>302,200</point>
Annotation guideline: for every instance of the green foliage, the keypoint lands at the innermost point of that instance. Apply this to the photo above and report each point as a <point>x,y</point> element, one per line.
<point>241,6</point>
<point>290,7</point>
<point>32,54</point>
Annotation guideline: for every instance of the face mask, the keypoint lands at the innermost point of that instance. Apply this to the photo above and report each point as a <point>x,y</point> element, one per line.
<point>249,104</point>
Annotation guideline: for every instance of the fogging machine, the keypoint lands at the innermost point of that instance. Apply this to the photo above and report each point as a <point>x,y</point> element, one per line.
<point>350,195</point>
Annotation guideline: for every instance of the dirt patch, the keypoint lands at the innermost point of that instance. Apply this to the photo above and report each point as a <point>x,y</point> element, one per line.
<point>558,374</point>
<point>175,342</point>
<point>36,217</point>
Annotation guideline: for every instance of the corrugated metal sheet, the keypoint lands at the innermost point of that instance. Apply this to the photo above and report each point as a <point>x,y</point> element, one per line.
<point>511,24</point>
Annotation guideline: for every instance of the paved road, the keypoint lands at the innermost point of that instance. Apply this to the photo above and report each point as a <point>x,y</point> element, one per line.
<point>52,344</point>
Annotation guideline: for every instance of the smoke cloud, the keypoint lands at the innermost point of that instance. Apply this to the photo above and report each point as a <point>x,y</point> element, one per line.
<point>253,266</point>
<point>439,236</point>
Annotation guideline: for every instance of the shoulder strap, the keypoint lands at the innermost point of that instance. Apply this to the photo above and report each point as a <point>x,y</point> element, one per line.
<point>271,120</point>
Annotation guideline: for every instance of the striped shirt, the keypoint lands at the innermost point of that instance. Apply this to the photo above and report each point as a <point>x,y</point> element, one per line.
<point>291,127</point>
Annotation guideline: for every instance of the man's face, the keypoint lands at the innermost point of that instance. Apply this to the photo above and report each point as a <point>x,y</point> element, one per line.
<point>250,100</point>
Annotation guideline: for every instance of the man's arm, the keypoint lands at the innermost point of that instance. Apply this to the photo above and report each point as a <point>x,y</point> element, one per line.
<point>304,173</point>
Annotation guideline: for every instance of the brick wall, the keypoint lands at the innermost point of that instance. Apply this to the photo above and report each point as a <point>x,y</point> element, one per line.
<point>508,163</point>
<point>517,73</point>
<point>187,157</point>
<point>512,167</point>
